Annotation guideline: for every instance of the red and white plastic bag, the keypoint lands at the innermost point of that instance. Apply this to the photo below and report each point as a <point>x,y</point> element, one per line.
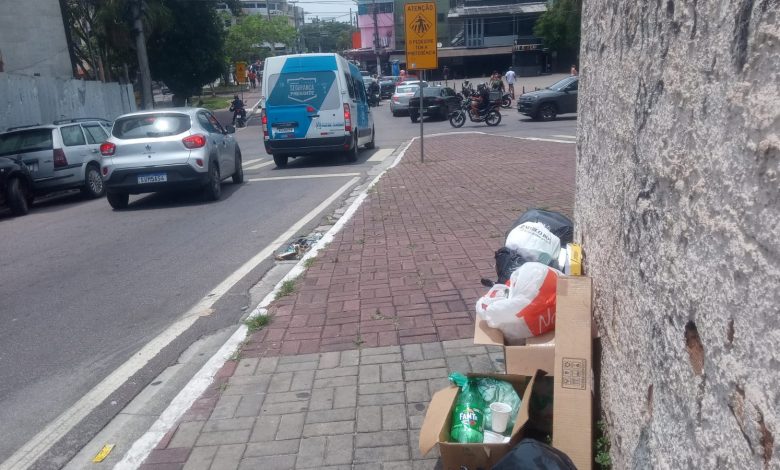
<point>526,306</point>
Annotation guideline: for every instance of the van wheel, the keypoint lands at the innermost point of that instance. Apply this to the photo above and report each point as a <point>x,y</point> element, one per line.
<point>93,182</point>
<point>118,200</point>
<point>371,145</point>
<point>352,154</point>
<point>17,199</point>
<point>280,160</point>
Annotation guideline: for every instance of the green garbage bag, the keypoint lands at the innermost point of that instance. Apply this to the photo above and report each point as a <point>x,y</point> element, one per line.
<point>494,390</point>
<point>468,414</point>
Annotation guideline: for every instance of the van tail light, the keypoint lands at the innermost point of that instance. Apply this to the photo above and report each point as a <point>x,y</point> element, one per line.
<point>347,118</point>
<point>107,149</point>
<point>59,159</point>
<point>194,141</point>
<point>264,122</point>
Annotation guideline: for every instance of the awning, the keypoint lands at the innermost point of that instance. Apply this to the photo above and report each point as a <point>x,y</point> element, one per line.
<point>511,9</point>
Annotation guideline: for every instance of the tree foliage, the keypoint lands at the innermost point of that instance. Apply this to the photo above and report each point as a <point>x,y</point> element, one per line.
<point>559,26</point>
<point>188,54</point>
<point>252,36</point>
<point>331,36</point>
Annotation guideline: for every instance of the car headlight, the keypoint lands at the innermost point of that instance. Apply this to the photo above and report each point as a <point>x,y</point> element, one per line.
<point>530,98</point>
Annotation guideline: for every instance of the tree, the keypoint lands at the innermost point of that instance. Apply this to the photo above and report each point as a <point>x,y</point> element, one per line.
<point>252,36</point>
<point>559,26</point>
<point>189,54</point>
<point>331,36</point>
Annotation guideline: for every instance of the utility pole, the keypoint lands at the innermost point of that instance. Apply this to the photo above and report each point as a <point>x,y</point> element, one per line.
<point>147,101</point>
<point>376,40</point>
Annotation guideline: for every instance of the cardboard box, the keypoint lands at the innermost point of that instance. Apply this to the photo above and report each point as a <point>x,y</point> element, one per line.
<point>537,353</point>
<point>454,456</point>
<point>573,381</point>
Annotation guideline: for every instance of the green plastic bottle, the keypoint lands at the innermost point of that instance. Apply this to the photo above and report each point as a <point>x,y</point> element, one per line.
<point>468,416</point>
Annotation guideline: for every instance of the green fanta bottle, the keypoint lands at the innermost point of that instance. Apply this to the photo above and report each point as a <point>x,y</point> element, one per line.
<point>468,416</point>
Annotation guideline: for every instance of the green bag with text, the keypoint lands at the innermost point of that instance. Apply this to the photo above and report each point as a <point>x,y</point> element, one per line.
<point>468,416</point>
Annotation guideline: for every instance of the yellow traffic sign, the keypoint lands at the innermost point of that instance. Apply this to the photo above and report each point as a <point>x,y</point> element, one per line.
<point>421,51</point>
<point>240,72</point>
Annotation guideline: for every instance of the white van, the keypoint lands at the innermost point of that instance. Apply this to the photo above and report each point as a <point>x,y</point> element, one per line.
<point>314,103</point>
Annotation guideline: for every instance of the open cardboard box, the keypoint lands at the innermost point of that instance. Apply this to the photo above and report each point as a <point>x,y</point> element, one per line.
<point>537,353</point>
<point>455,456</point>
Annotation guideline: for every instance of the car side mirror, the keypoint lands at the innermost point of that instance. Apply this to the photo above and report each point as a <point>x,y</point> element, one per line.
<point>230,129</point>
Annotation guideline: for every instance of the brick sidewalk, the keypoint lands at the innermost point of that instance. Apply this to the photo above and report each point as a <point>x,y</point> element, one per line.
<point>378,320</point>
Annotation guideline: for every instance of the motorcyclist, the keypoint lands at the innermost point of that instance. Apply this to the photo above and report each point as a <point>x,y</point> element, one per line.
<point>480,100</point>
<point>373,92</point>
<point>237,107</point>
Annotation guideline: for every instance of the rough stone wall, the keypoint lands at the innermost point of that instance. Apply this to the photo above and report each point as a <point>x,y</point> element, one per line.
<point>678,207</point>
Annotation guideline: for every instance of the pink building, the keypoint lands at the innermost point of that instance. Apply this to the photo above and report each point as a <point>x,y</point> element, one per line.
<point>384,26</point>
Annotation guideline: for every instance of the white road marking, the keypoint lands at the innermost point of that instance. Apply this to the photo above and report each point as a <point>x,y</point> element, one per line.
<point>565,136</point>
<point>54,431</point>
<point>256,166</point>
<point>300,177</point>
<point>380,155</point>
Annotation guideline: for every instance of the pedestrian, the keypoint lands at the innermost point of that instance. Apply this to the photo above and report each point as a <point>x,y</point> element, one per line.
<point>510,80</point>
<point>446,73</point>
<point>495,82</point>
<point>573,70</point>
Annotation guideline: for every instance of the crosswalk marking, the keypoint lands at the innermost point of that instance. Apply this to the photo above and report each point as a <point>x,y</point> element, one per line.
<point>297,177</point>
<point>255,166</point>
<point>380,155</point>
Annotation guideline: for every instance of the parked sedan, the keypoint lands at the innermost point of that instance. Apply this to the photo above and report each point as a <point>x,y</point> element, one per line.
<point>438,101</point>
<point>399,103</point>
<point>546,104</point>
<point>168,149</point>
<point>16,185</point>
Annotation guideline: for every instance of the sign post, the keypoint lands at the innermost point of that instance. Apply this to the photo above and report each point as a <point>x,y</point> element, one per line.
<point>241,76</point>
<point>421,47</point>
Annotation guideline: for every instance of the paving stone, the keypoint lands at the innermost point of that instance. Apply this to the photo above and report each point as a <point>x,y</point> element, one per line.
<point>367,352</point>
<point>414,438</point>
<point>335,382</point>
<point>367,389</point>
<point>417,391</point>
<point>321,399</point>
<point>250,405</point>
<point>406,465</point>
<point>394,417</point>
<point>381,454</point>
<point>345,397</point>
<point>368,374</point>
<point>261,380</point>
<point>265,428</point>
<point>415,422</point>
<point>286,397</point>
<point>248,389</point>
<point>275,462</point>
<point>200,458</point>
<point>426,374</point>
<point>327,416</point>
<point>296,366</point>
<point>369,418</point>
<point>390,372</point>
<point>440,383</point>
<point>311,453</point>
<point>168,456</point>
<point>280,382</point>
<point>226,407</point>
<point>383,438</point>
<point>261,449</point>
<point>338,449</point>
<point>326,429</point>
<point>426,364</point>
<point>412,352</point>
<point>427,464</point>
<point>336,372</point>
<point>329,360</point>
<point>230,424</point>
<point>186,434</point>
<point>223,437</point>
<point>381,399</point>
<point>464,350</point>
<point>432,350</point>
<point>299,358</point>
<point>246,366</point>
<point>350,358</point>
<point>481,363</point>
<point>290,426</point>
<point>459,364</point>
<point>228,457</point>
<point>380,359</point>
<point>266,366</point>
<point>284,408</point>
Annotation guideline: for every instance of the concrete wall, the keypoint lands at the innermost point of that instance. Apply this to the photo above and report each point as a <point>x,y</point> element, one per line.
<point>32,38</point>
<point>30,100</point>
<point>678,207</point>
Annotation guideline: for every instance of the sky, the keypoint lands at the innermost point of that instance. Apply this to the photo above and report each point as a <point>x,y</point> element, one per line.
<point>338,10</point>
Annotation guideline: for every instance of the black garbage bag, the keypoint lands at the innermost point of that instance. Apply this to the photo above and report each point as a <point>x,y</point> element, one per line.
<point>560,225</point>
<point>530,454</point>
<point>506,262</point>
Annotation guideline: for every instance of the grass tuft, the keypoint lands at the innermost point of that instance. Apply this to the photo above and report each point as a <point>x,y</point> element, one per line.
<point>288,287</point>
<point>257,323</point>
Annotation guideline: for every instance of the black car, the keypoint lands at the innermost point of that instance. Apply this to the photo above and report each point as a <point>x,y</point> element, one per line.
<point>387,87</point>
<point>16,185</point>
<point>438,101</point>
<point>546,104</point>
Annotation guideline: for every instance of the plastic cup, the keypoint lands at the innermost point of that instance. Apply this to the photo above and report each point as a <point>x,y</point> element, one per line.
<point>500,416</point>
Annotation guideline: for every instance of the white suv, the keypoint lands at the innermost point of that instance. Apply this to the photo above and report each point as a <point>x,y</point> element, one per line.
<point>62,155</point>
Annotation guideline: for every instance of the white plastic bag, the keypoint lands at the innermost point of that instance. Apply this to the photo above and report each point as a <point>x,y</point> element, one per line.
<point>534,242</point>
<point>526,307</point>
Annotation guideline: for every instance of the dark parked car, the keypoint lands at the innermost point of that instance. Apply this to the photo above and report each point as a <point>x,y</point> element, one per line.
<point>438,101</point>
<point>16,185</point>
<point>387,86</point>
<point>546,104</point>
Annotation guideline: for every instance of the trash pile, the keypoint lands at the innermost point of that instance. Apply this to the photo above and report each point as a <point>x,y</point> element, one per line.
<point>298,248</point>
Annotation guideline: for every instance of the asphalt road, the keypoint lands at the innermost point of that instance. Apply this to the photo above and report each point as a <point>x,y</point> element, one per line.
<point>83,287</point>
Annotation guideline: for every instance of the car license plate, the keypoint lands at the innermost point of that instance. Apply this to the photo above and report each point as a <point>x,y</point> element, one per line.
<point>284,130</point>
<point>152,178</point>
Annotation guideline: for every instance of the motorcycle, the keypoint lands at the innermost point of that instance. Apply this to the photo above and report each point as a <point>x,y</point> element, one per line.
<point>374,99</point>
<point>239,116</point>
<point>489,115</point>
<point>506,101</point>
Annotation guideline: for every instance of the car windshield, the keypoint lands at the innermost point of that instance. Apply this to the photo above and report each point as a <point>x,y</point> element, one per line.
<point>406,89</point>
<point>429,91</point>
<point>22,141</point>
<point>561,85</point>
<point>150,125</point>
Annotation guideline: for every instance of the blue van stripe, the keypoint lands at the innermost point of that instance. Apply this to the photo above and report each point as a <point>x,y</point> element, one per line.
<point>318,63</point>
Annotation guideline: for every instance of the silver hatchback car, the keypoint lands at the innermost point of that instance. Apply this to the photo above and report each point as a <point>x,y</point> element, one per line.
<point>168,149</point>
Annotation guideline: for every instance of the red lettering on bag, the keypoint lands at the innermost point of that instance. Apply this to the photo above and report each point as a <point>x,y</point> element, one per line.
<point>543,305</point>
